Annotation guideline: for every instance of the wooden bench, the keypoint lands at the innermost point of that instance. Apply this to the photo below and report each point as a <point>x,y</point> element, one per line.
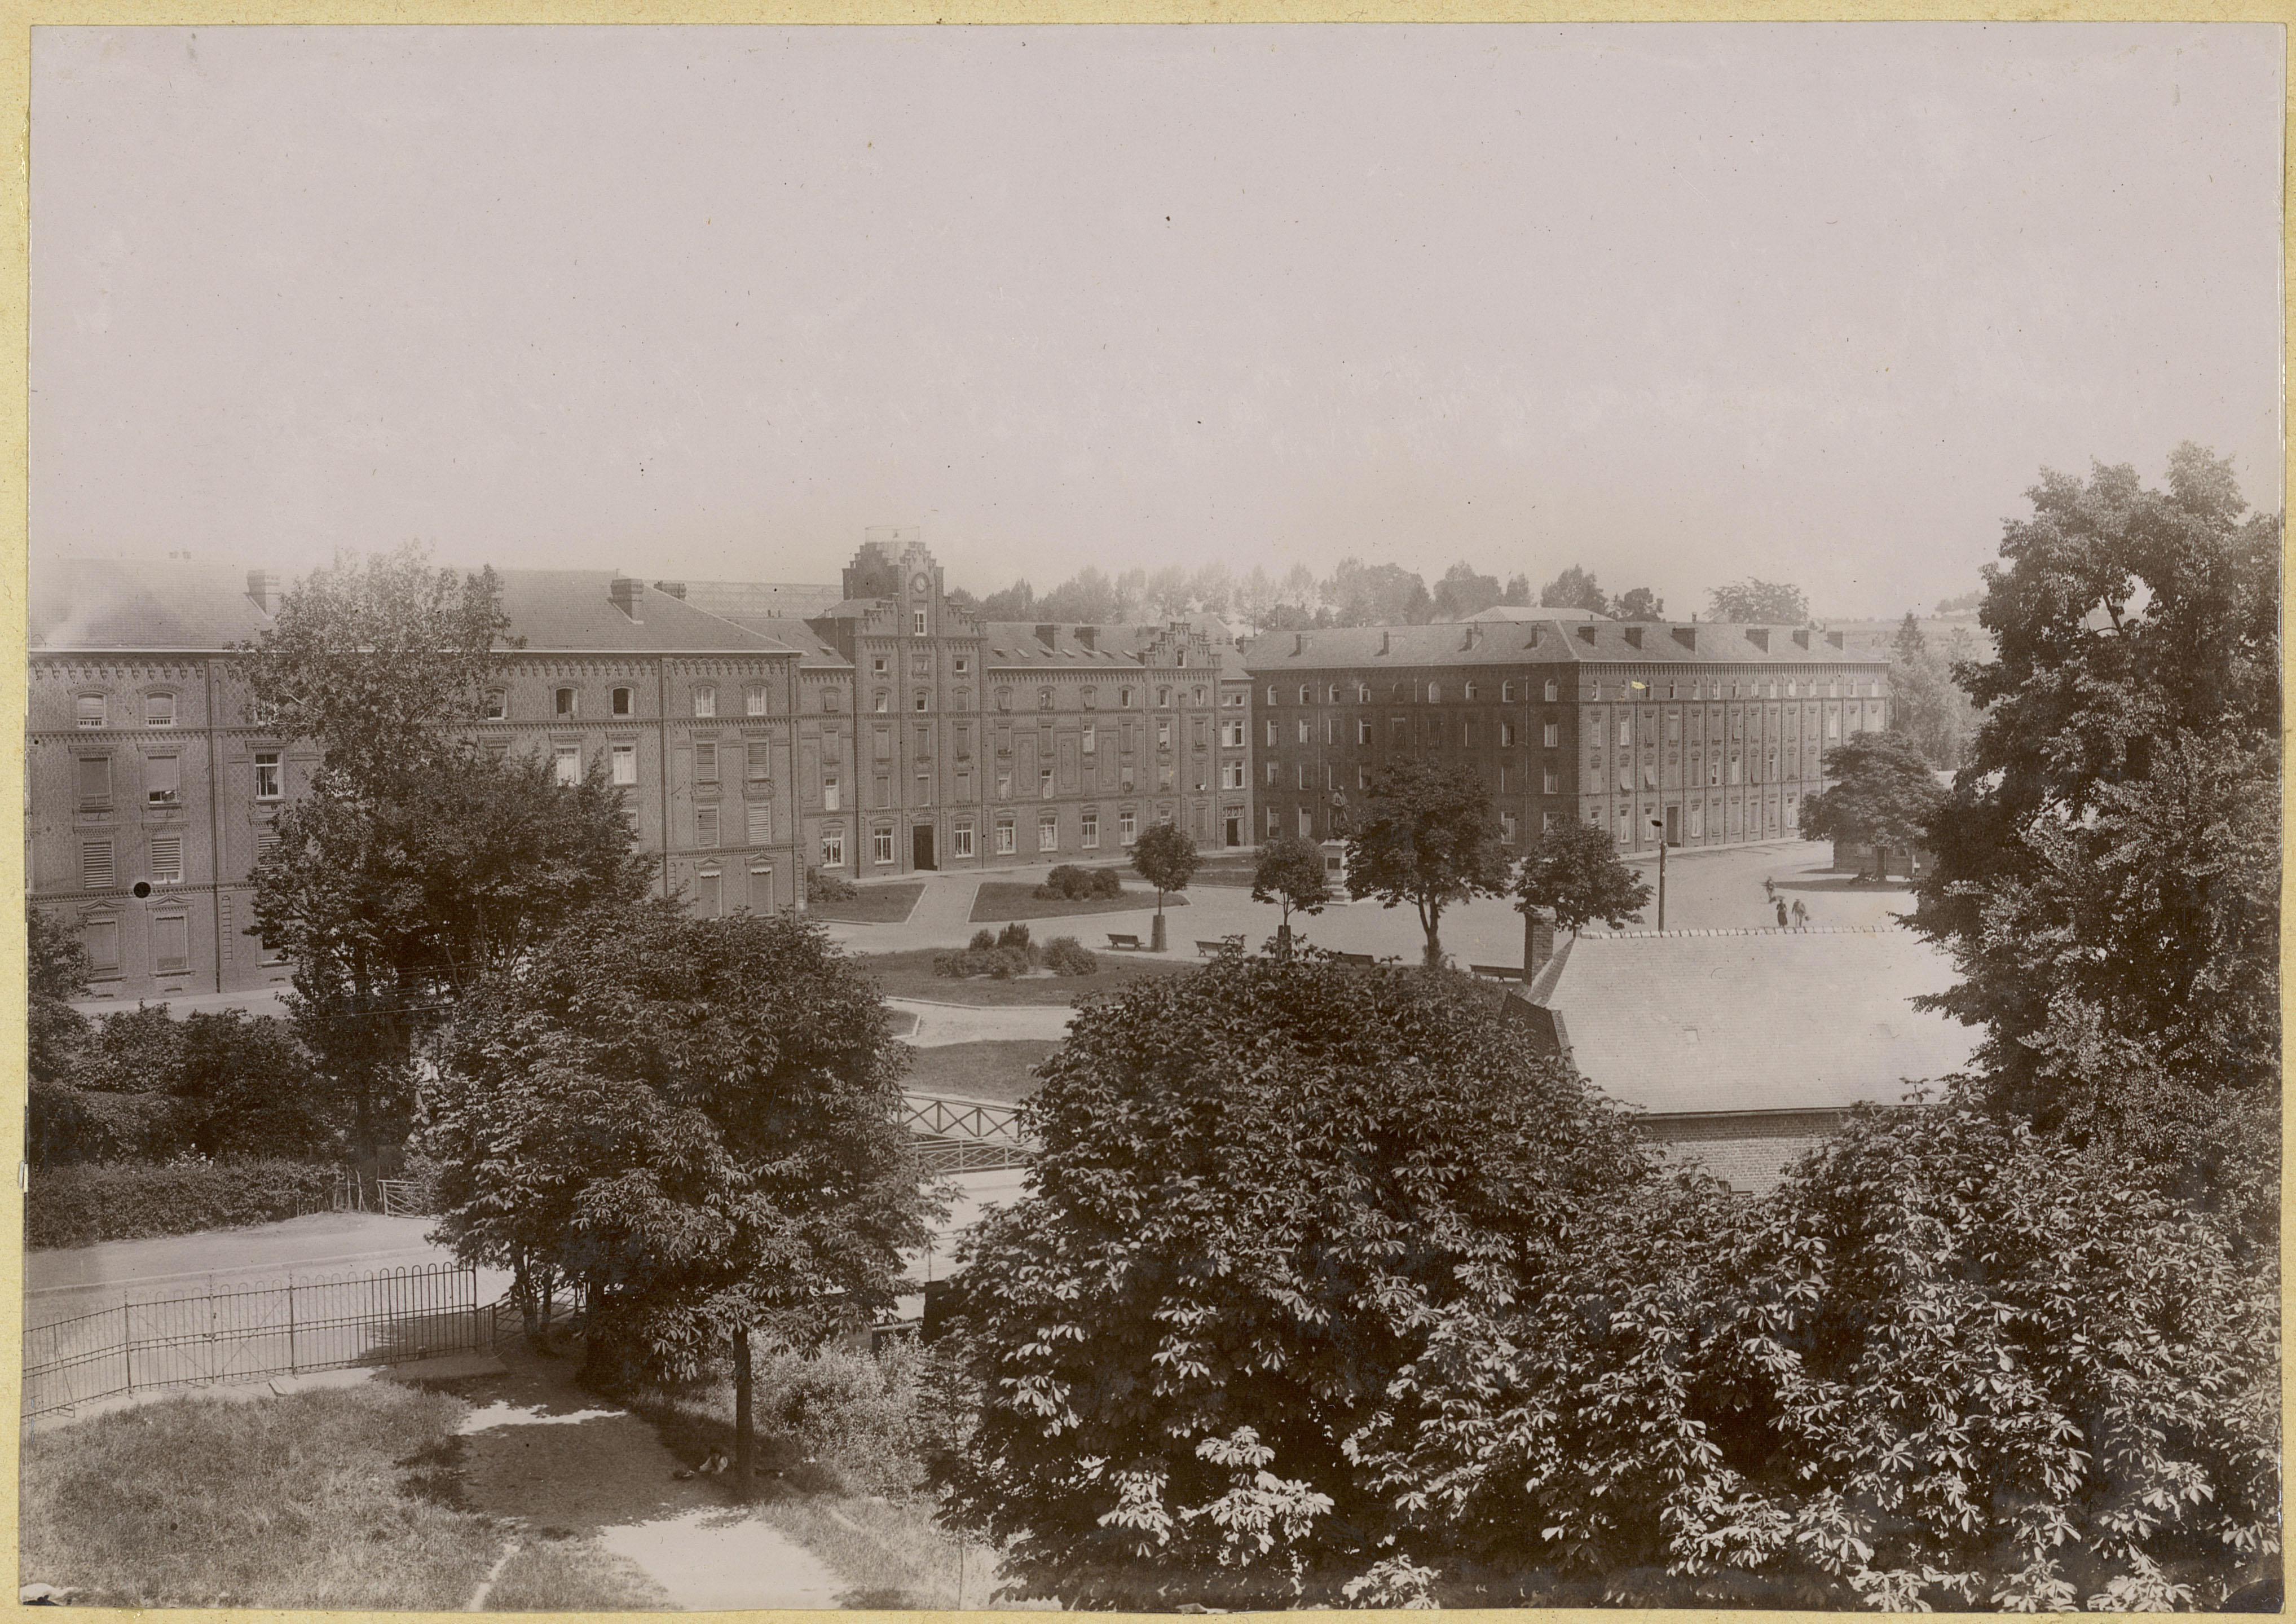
<point>1118,940</point>
<point>1498,972</point>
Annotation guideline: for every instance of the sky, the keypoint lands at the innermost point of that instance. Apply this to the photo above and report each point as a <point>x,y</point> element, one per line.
<point>1680,303</point>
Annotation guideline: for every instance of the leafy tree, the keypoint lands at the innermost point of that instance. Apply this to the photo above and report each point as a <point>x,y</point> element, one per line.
<point>2107,874</point>
<point>1256,1184</point>
<point>393,895</point>
<point>1756,602</point>
<point>1431,838</point>
<point>1883,796</point>
<point>1462,593</point>
<point>693,1120</point>
<point>1638,604</point>
<point>1574,870</point>
<point>379,661</point>
<point>1166,858</point>
<point>1291,873</point>
<point>1574,588</point>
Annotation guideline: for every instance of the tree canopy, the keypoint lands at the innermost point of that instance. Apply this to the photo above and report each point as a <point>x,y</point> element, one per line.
<point>1777,602</point>
<point>2108,867</point>
<point>1574,870</point>
<point>1882,795</point>
<point>1429,837</point>
<point>693,1121</point>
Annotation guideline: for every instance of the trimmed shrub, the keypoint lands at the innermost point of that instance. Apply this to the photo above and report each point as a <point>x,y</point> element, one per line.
<point>1065,956</point>
<point>820,887</point>
<point>984,941</point>
<point>80,1206</point>
<point>1014,935</point>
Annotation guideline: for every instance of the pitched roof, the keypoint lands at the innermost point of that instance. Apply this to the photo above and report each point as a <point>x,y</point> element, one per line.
<point>1569,640</point>
<point>571,608</point>
<point>1752,1021</point>
<point>134,603</point>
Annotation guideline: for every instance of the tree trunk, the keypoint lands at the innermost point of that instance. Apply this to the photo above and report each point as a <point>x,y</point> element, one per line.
<point>744,1427</point>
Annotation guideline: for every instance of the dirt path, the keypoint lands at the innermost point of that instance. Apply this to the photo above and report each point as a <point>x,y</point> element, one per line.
<point>565,1462</point>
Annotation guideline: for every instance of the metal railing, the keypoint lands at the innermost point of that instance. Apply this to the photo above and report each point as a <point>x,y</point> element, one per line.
<point>223,1337</point>
<point>962,1135</point>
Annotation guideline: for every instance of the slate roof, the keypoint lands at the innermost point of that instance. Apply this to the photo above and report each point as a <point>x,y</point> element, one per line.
<point>132,603</point>
<point>1755,1020</point>
<point>182,604</point>
<point>814,655</point>
<point>1572,641</point>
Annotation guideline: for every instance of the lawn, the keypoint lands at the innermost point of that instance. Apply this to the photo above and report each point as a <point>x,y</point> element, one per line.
<point>343,1498</point>
<point>910,975</point>
<point>872,904</point>
<point>1002,899</point>
<point>994,1071</point>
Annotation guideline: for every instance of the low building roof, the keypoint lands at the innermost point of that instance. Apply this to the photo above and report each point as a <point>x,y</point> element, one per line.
<point>1754,1021</point>
<point>103,604</point>
<point>1568,640</point>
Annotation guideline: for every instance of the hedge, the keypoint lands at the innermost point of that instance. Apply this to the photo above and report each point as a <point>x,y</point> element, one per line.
<point>79,1206</point>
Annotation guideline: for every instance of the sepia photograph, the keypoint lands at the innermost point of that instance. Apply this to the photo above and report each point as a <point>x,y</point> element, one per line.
<point>1153,817</point>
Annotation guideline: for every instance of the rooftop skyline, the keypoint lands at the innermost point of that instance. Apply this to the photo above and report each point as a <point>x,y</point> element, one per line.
<point>1682,304</point>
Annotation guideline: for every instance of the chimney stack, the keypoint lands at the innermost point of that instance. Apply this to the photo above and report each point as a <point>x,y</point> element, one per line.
<point>627,594</point>
<point>263,586</point>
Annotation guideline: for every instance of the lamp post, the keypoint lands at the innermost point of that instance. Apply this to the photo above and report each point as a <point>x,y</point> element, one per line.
<point>1659,823</point>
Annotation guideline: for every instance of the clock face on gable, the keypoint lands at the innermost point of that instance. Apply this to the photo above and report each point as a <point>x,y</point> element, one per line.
<point>921,583</point>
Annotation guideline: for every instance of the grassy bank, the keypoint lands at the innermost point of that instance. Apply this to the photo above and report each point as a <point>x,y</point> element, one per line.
<point>343,1498</point>
<point>910,975</point>
<point>998,900</point>
<point>997,1071</point>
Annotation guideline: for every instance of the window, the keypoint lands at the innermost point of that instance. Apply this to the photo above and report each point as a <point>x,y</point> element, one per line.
<point>705,761</point>
<point>1090,739</point>
<point>171,950</point>
<point>760,823</point>
<point>705,828</point>
<point>1006,842</point>
<point>1091,831</point>
<point>89,710</point>
<point>625,764</point>
<point>266,774</point>
<point>1048,834</point>
<point>1506,828</point>
<point>1551,781</point>
<point>1127,826</point>
<point>497,705</point>
<point>562,703</point>
<point>880,845</point>
<point>163,780</point>
<point>1553,692</point>
<point>753,703</point>
<point>705,701</point>
<point>917,623</point>
<point>960,839</point>
<point>567,761</point>
<point>829,792</point>
<point>159,710</point>
<point>102,941</point>
<point>95,865</point>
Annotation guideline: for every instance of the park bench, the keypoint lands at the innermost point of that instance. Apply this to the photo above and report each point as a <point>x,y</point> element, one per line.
<point>1498,972</point>
<point>1117,939</point>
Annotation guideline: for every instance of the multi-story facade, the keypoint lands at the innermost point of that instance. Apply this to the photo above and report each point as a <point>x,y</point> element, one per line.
<point>1702,733</point>
<point>977,745</point>
<point>153,789</point>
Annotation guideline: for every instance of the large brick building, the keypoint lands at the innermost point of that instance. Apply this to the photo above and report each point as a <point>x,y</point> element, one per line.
<point>1716,732</point>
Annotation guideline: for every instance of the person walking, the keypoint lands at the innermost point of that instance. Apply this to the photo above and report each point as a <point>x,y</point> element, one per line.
<point>1801,915</point>
<point>1781,906</point>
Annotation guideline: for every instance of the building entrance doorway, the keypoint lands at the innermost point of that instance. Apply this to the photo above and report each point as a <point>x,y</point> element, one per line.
<point>921,847</point>
<point>1234,828</point>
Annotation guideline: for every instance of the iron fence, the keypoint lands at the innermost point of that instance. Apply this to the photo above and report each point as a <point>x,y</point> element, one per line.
<point>388,1318</point>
